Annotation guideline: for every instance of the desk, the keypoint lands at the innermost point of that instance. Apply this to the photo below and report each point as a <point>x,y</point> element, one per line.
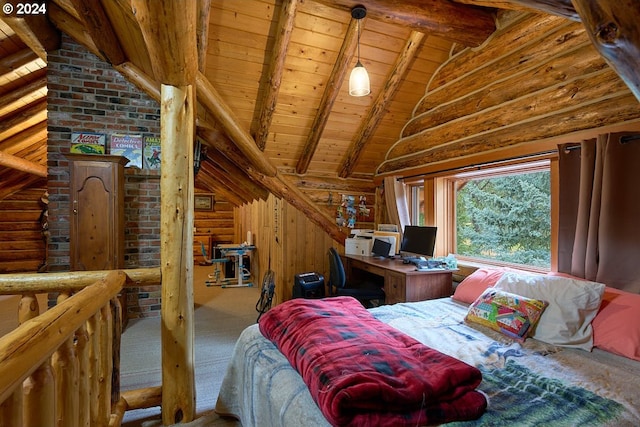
<point>402,282</point>
<point>237,251</point>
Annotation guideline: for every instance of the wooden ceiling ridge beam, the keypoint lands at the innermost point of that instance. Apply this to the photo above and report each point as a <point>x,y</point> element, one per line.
<point>99,27</point>
<point>331,91</point>
<point>392,82</point>
<point>36,31</point>
<point>18,163</point>
<point>269,100</point>
<point>461,23</point>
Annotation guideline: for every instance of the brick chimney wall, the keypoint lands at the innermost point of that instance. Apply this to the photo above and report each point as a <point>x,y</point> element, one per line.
<point>87,94</point>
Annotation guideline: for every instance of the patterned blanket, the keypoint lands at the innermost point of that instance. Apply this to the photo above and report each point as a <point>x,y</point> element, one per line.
<point>362,372</point>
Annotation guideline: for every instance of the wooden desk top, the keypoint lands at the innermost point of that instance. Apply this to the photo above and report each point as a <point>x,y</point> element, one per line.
<point>393,264</point>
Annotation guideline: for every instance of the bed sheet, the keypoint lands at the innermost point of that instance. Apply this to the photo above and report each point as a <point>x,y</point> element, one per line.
<point>528,384</point>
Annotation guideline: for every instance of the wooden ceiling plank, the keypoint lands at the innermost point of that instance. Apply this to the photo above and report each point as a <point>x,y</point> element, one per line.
<point>612,26</point>
<point>27,92</point>
<point>202,32</point>
<point>36,31</point>
<point>168,28</point>
<point>369,125</point>
<point>461,23</point>
<point>212,179</point>
<point>267,106</point>
<point>209,98</point>
<point>99,27</point>
<point>18,163</point>
<point>231,182</point>
<point>329,96</point>
<point>237,174</point>
<point>16,120</point>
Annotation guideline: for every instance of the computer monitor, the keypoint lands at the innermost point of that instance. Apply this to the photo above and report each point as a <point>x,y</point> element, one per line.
<point>380,248</point>
<point>418,240</point>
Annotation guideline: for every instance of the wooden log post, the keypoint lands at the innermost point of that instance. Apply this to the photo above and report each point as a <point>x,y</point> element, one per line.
<point>39,388</point>
<point>64,363</point>
<point>177,131</point>
<point>105,357</point>
<point>84,389</point>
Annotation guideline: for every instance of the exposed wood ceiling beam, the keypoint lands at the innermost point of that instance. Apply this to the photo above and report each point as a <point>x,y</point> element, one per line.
<point>73,27</point>
<point>168,27</point>
<point>273,78</point>
<point>26,181</point>
<point>33,113</point>
<point>377,111</point>
<point>36,32</point>
<point>10,63</point>
<point>554,7</point>
<point>213,102</point>
<point>464,24</point>
<point>27,93</point>
<point>329,96</point>
<point>18,163</point>
<point>202,32</point>
<point>99,27</point>
<point>612,26</point>
<point>278,185</point>
<point>209,183</point>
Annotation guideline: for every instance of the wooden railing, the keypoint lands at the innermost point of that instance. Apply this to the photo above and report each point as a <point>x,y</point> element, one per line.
<point>61,368</point>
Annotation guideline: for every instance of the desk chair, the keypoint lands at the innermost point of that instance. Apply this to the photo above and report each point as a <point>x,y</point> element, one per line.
<point>365,293</point>
<point>217,273</point>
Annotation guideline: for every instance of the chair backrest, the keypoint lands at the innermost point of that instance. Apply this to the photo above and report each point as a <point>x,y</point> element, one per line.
<point>204,251</point>
<point>337,275</point>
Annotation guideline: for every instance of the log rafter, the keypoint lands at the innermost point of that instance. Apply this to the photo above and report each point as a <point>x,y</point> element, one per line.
<point>377,111</point>
<point>99,27</point>
<point>330,94</point>
<point>464,24</point>
<point>562,8</point>
<point>202,32</point>
<point>36,31</point>
<point>23,165</point>
<point>267,105</point>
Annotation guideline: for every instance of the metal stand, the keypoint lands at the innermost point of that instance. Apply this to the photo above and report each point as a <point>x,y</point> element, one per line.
<point>242,273</point>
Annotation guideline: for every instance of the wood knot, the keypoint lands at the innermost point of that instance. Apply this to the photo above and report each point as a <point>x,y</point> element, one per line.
<point>608,33</point>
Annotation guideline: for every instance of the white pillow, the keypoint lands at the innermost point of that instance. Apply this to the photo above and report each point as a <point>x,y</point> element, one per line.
<point>572,306</point>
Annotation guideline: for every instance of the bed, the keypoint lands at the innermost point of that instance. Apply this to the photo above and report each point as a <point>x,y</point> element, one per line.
<point>526,381</point>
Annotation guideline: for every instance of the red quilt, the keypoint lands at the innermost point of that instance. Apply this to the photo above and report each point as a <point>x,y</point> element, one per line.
<point>363,372</point>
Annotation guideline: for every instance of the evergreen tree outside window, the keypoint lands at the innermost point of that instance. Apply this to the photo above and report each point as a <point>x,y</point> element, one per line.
<point>505,218</point>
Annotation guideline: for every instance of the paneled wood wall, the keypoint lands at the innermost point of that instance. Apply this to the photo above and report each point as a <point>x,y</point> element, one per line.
<point>286,242</point>
<point>22,247</point>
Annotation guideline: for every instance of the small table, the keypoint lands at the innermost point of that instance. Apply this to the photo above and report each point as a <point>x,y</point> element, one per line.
<point>237,251</point>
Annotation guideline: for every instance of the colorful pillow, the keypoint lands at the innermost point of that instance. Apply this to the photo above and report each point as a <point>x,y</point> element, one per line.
<point>572,306</point>
<point>513,315</point>
<point>616,327</point>
<point>476,283</point>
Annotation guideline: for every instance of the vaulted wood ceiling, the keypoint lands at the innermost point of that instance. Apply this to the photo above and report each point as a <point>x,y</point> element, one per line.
<point>272,84</point>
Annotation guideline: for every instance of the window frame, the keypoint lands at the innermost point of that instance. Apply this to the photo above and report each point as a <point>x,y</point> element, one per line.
<point>443,186</point>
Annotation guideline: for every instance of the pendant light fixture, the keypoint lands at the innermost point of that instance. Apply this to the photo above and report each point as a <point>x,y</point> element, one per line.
<point>359,79</point>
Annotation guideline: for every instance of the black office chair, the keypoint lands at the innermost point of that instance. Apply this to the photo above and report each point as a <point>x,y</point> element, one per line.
<point>363,292</point>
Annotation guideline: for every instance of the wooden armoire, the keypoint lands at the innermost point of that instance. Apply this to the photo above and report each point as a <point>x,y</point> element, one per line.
<point>97,211</point>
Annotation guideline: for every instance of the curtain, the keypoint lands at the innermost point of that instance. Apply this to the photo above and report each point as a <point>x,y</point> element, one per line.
<point>599,211</point>
<point>396,202</point>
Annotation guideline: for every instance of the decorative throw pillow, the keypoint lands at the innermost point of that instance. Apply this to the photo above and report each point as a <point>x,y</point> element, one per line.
<point>616,327</point>
<point>476,283</point>
<point>572,306</point>
<point>513,315</point>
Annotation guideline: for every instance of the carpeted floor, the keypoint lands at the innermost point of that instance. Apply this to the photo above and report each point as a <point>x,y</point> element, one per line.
<point>220,315</point>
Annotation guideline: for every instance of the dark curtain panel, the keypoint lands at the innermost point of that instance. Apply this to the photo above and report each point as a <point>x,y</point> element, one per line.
<point>599,230</point>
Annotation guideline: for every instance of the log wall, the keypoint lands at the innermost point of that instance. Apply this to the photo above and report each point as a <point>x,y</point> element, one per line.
<point>22,244</point>
<point>538,78</point>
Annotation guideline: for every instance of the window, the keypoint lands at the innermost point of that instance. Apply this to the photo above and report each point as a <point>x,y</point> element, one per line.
<point>417,205</point>
<point>499,215</point>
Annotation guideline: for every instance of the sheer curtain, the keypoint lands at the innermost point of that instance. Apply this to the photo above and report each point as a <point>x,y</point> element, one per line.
<point>599,212</point>
<point>396,202</point>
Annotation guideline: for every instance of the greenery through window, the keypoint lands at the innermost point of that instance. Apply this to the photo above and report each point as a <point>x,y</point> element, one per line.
<point>505,218</point>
